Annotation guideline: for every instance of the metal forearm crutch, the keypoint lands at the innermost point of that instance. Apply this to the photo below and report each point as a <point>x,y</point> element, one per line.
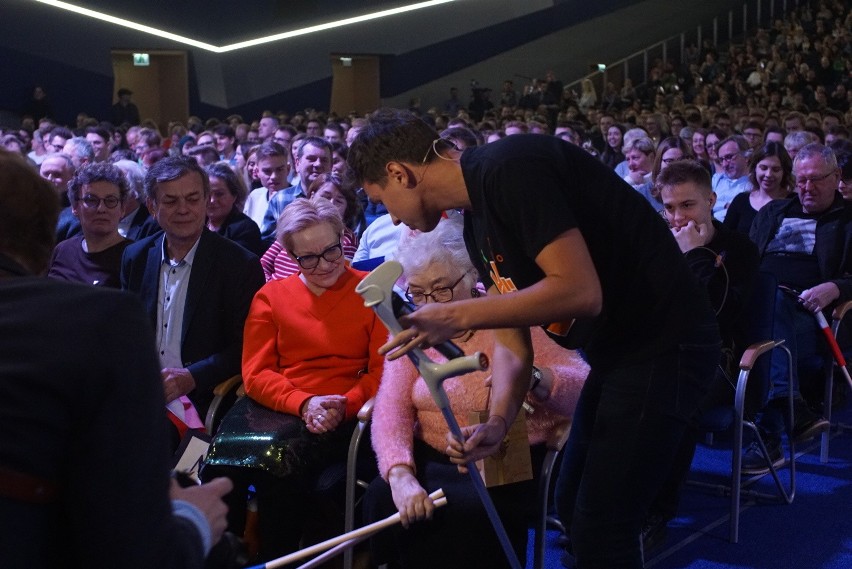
<point>378,294</point>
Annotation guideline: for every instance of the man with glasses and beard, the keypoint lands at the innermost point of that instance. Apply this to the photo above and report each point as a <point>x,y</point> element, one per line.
<point>734,176</point>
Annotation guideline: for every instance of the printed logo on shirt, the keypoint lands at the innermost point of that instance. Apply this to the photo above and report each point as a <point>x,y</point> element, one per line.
<point>796,235</point>
<point>503,284</point>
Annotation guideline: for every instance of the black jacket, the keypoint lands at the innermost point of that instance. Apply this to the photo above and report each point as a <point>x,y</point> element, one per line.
<point>833,247</point>
<point>222,284</point>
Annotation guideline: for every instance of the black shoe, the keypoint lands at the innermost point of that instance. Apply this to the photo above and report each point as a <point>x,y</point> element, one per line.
<point>755,463</point>
<point>808,426</point>
<point>654,534</point>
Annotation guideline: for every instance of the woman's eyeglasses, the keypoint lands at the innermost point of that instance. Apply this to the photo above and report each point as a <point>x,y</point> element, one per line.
<point>331,254</point>
<point>440,294</point>
<point>93,202</point>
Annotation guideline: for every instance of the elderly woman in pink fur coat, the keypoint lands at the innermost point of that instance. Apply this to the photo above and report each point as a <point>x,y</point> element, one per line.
<point>409,433</point>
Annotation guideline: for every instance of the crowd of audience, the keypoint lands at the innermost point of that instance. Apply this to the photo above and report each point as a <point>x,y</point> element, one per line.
<point>767,121</point>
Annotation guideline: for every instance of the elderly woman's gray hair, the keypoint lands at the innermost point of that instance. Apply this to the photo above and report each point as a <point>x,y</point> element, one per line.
<point>444,244</point>
<point>135,176</point>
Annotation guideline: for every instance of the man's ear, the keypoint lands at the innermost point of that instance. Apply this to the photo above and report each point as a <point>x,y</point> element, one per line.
<point>152,207</point>
<point>712,199</point>
<point>400,174</point>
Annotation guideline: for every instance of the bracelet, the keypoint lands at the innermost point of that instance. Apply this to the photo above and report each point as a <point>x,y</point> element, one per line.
<point>537,377</point>
<point>505,424</point>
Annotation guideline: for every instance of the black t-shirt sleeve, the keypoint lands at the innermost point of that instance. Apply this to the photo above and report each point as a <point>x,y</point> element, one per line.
<point>530,200</point>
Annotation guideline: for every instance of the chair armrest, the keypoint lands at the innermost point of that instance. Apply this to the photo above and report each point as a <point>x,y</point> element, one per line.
<point>841,310</point>
<point>558,436</point>
<point>227,386</point>
<point>224,395</point>
<point>366,411</point>
<point>755,350</point>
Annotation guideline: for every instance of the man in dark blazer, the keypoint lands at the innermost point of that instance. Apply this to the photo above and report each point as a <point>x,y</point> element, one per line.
<point>195,285</point>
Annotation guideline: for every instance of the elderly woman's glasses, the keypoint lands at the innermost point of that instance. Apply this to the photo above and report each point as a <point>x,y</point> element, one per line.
<point>93,202</point>
<point>331,254</point>
<point>440,294</point>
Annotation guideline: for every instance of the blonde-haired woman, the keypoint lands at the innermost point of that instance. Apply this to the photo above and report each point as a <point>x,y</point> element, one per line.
<point>310,361</point>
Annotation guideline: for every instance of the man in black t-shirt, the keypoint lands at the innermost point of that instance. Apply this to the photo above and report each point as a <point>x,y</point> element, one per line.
<point>806,242</point>
<point>559,239</point>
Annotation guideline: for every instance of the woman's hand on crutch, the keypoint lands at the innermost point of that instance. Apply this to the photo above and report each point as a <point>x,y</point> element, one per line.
<point>409,497</point>
<point>480,441</point>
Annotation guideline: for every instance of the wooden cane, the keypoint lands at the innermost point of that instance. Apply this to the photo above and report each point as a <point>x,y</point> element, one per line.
<point>353,536</point>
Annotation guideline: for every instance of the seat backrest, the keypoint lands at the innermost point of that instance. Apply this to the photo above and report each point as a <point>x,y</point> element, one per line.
<point>757,322</point>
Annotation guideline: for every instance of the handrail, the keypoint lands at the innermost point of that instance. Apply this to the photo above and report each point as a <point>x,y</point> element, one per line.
<point>748,23</point>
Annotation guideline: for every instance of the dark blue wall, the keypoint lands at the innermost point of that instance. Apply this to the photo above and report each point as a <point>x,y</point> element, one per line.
<point>72,90</point>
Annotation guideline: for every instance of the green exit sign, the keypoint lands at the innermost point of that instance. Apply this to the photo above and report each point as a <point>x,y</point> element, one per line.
<point>141,59</point>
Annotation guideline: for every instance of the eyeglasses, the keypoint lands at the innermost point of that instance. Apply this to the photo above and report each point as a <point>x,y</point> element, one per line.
<point>802,183</point>
<point>331,254</point>
<point>729,157</point>
<point>440,294</point>
<point>93,202</point>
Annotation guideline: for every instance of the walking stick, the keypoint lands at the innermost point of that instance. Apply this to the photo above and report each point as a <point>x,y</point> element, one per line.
<point>343,541</point>
<point>822,322</point>
<point>377,291</point>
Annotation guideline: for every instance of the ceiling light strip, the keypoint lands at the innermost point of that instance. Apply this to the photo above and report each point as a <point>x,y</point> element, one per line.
<point>128,24</point>
<point>240,45</point>
<point>335,24</point>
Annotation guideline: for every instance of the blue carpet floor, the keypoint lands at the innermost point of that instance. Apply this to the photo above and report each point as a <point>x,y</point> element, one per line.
<point>814,532</point>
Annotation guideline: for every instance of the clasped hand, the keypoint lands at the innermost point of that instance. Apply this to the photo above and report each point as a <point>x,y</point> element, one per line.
<point>323,413</point>
<point>691,235</point>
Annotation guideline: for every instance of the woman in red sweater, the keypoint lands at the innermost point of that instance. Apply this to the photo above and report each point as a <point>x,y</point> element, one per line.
<point>310,361</point>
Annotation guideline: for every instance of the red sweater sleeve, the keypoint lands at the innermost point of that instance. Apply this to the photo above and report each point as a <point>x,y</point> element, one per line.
<point>263,381</point>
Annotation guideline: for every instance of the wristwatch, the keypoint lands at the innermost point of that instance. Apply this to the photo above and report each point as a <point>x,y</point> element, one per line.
<point>536,378</point>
